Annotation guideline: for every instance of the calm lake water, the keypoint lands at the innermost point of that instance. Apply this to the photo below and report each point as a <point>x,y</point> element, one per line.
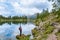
<point>9,32</point>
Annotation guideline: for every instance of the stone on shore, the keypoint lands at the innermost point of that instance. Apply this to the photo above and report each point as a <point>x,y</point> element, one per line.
<point>23,37</point>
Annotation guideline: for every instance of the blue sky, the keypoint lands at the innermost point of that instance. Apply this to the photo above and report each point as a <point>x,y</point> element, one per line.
<point>23,7</point>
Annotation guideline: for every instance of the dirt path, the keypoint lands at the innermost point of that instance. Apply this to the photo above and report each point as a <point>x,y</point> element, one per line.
<point>52,36</point>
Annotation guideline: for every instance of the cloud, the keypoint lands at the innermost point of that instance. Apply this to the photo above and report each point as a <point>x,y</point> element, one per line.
<point>24,10</point>
<point>23,7</point>
<point>2,0</point>
<point>30,2</point>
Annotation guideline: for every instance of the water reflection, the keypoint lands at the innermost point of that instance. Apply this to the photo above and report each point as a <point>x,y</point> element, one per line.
<point>14,22</point>
<point>9,32</point>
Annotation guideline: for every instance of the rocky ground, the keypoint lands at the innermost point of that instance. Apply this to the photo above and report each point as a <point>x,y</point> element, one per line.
<point>48,29</point>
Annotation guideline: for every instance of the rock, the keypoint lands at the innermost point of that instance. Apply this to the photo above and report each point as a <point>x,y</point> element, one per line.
<point>23,37</point>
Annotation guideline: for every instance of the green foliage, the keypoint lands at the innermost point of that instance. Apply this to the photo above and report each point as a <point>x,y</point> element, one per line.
<point>37,21</point>
<point>49,29</point>
<point>58,35</point>
<point>58,12</point>
<point>14,19</point>
<point>23,37</point>
<point>43,37</point>
<point>35,32</point>
<point>42,15</point>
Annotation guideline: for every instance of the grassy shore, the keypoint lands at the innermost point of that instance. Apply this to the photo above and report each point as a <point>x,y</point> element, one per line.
<point>23,37</point>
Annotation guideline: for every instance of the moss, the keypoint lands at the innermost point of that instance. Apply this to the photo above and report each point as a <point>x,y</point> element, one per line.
<point>49,29</point>
<point>44,37</point>
<point>58,35</point>
<point>23,37</point>
<point>35,32</point>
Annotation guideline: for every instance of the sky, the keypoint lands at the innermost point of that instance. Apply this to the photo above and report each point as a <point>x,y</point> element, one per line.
<point>23,7</point>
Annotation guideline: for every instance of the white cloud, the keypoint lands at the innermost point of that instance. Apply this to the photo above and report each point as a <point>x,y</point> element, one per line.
<point>29,2</point>
<point>25,7</point>
<point>2,7</point>
<point>50,6</point>
<point>15,5</point>
<point>0,13</point>
<point>30,11</point>
<point>2,0</point>
<point>25,10</point>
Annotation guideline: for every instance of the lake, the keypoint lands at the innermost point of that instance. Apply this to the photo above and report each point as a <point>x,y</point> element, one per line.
<point>9,31</point>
